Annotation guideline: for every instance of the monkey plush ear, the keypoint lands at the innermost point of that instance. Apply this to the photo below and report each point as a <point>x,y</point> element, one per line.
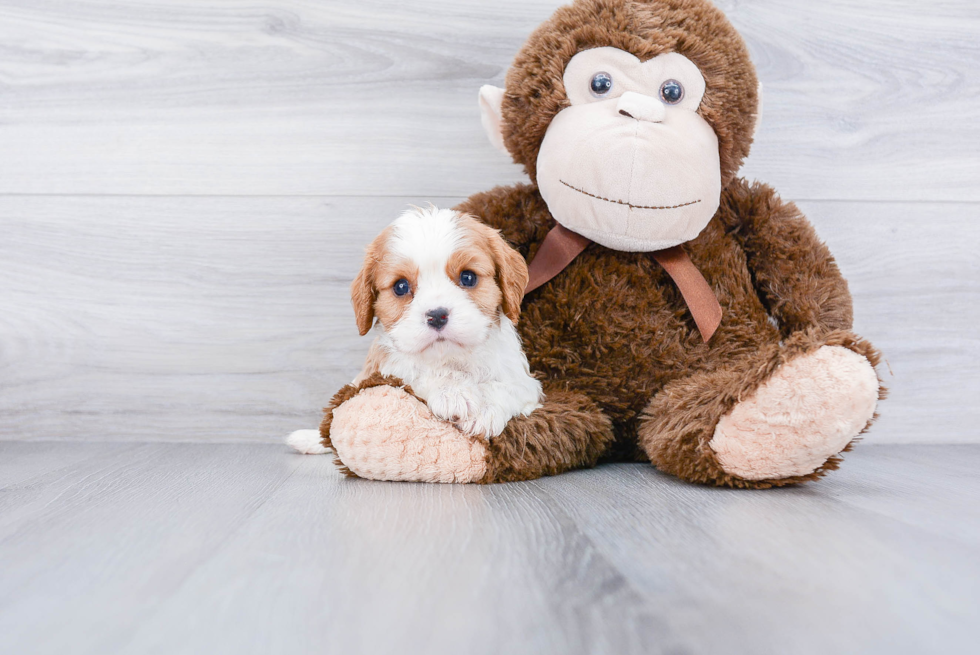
<point>491,115</point>
<point>758,113</point>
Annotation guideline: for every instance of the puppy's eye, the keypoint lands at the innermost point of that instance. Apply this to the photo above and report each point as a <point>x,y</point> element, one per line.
<point>467,279</point>
<point>672,92</point>
<point>402,287</point>
<point>601,84</point>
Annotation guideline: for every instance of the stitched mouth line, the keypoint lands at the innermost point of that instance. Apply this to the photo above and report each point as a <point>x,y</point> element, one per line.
<point>621,202</point>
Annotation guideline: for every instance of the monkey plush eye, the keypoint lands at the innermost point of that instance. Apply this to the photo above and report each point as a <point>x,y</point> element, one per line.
<point>401,287</point>
<point>467,279</point>
<point>601,84</point>
<point>672,92</point>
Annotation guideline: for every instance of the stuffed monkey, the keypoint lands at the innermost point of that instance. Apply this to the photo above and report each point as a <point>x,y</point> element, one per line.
<point>677,314</point>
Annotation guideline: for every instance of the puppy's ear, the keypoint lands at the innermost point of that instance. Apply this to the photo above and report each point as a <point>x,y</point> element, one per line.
<point>362,290</point>
<point>362,297</point>
<point>512,275</point>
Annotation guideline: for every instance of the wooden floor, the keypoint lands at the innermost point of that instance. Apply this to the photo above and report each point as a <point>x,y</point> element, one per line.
<point>247,548</point>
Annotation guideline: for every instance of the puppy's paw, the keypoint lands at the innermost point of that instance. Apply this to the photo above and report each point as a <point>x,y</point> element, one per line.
<point>530,408</point>
<point>453,404</point>
<point>488,422</point>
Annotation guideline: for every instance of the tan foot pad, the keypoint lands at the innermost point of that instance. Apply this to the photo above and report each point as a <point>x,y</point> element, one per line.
<point>807,412</point>
<point>384,433</point>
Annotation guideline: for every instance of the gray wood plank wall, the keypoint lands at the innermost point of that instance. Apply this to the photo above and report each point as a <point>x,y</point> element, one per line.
<point>186,187</point>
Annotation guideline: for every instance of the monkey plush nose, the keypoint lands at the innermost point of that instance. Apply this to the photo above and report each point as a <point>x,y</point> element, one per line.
<point>641,107</point>
<point>437,318</point>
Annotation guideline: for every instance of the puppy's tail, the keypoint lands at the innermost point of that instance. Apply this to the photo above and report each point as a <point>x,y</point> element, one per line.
<point>307,442</point>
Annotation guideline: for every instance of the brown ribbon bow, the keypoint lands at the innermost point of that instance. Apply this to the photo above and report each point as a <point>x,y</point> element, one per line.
<point>562,246</point>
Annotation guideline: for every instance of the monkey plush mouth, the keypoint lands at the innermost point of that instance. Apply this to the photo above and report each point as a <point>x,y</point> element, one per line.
<point>623,202</point>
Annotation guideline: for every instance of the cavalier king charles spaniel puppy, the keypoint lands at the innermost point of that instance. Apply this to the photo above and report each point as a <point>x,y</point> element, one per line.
<point>442,292</point>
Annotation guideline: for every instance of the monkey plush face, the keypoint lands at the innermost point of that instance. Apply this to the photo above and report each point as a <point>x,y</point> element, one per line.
<point>630,164</point>
<point>631,116</point>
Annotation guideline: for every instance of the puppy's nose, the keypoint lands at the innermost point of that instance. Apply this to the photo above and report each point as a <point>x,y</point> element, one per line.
<point>437,318</point>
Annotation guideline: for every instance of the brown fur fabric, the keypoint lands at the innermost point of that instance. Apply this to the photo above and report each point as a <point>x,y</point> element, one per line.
<point>696,29</point>
<point>568,432</point>
<point>613,328</point>
<point>677,426</point>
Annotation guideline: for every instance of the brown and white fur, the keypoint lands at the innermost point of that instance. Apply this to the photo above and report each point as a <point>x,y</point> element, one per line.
<point>455,345</point>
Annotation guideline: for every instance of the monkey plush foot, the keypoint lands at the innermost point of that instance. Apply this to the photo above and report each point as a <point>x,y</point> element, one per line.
<point>385,433</point>
<point>807,412</point>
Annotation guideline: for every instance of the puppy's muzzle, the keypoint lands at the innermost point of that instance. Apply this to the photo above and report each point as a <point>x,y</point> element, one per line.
<point>437,318</point>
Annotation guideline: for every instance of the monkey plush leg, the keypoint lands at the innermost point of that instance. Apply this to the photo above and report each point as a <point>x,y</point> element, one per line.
<point>381,431</point>
<point>778,417</point>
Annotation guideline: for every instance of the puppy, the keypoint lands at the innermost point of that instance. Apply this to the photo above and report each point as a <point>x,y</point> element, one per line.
<point>443,292</point>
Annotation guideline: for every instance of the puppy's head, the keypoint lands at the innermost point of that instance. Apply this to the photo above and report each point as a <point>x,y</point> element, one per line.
<point>436,278</point>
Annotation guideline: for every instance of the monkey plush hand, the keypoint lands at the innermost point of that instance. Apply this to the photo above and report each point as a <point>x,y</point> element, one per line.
<point>678,314</point>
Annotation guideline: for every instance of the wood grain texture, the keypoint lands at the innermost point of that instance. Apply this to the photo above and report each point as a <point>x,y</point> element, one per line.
<point>228,318</point>
<point>864,101</point>
<point>159,318</point>
<point>191,548</point>
<point>205,317</point>
<point>914,272</point>
<point>134,523</point>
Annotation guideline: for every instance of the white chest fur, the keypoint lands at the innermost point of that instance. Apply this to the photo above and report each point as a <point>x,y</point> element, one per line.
<point>479,389</point>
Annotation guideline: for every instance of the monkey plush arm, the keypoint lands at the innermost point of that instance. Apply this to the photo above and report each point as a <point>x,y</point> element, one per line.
<point>518,211</point>
<point>380,430</point>
<point>793,270</point>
